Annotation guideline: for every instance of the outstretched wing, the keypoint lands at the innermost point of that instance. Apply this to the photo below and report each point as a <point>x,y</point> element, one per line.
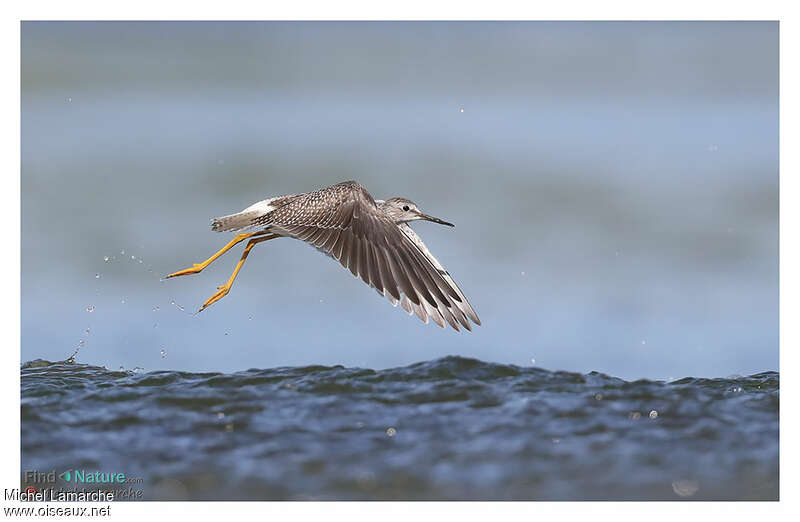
<point>344,222</point>
<point>462,303</point>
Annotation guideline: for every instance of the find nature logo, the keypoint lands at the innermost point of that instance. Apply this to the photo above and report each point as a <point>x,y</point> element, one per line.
<point>92,477</point>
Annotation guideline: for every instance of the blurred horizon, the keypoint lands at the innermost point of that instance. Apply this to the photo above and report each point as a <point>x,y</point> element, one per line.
<point>614,187</point>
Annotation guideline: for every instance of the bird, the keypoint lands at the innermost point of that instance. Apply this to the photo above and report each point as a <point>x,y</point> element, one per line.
<point>372,238</point>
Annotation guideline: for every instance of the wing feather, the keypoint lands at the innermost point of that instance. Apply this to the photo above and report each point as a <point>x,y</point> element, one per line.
<point>331,242</point>
<point>403,283</point>
<point>354,250</point>
<point>463,302</point>
<point>389,283</point>
<point>339,247</point>
<point>344,222</point>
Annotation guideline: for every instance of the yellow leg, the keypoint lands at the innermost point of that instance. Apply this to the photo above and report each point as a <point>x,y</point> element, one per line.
<point>198,267</point>
<point>223,290</point>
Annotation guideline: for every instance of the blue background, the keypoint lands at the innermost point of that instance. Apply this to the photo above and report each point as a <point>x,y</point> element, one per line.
<point>614,187</point>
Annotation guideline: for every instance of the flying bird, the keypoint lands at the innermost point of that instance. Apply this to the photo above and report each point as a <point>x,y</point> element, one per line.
<point>372,238</point>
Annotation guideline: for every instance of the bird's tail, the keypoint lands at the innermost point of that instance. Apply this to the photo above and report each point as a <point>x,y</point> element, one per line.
<point>238,221</point>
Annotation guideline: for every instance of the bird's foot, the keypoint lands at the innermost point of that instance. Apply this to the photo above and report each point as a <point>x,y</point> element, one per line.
<point>194,269</point>
<point>222,291</point>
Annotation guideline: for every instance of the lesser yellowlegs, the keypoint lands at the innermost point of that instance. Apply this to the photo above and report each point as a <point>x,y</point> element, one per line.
<point>370,237</point>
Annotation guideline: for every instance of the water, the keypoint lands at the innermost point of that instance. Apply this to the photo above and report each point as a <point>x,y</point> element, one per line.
<point>450,428</point>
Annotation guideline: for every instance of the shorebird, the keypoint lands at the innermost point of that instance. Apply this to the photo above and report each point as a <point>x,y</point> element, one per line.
<point>370,237</point>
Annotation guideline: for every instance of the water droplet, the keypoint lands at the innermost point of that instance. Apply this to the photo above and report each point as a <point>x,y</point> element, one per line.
<point>133,257</point>
<point>598,396</point>
<point>105,259</point>
<point>140,260</point>
<point>81,342</point>
<point>87,331</point>
<point>461,109</point>
<point>533,361</point>
<point>123,300</point>
<point>653,414</point>
<point>320,300</point>
<point>685,487</point>
<point>220,414</point>
<point>522,273</point>
<point>122,252</point>
<point>634,415</point>
<point>359,425</point>
<point>163,353</point>
<point>226,333</point>
<point>90,308</point>
<point>250,318</point>
<point>556,441</point>
<point>69,99</point>
<point>97,276</point>
<point>156,309</point>
<point>644,341</point>
<point>391,432</point>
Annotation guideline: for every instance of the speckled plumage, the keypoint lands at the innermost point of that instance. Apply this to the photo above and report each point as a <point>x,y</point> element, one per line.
<point>370,238</point>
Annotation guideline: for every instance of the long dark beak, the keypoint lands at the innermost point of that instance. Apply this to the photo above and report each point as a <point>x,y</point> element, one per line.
<point>435,219</point>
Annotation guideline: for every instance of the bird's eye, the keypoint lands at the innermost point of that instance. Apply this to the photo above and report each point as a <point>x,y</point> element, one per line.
<point>405,208</point>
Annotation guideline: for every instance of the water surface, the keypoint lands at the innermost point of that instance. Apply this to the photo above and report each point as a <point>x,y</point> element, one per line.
<point>450,428</point>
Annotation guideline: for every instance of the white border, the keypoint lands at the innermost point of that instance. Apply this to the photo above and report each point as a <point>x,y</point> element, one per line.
<point>410,10</point>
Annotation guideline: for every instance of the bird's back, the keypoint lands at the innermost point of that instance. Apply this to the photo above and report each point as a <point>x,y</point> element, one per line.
<point>326,208</point>
<point>320,208</point>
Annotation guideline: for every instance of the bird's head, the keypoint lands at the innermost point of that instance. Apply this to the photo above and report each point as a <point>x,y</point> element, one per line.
<point>402,210</point>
